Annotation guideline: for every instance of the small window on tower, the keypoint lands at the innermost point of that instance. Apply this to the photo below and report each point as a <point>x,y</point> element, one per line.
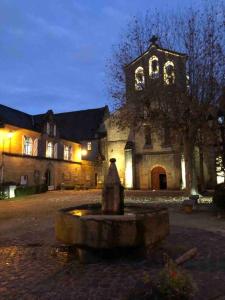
<point>154,67</point>
<point>169,73</point>
<point>139,79</point>
<point>89,146</point>
<point>148,137</point>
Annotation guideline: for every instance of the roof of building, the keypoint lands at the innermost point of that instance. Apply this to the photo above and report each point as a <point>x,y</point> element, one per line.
<point>15,117</point>
<point>73,126</point>
<point>78,125</point>
<point>172,52</point>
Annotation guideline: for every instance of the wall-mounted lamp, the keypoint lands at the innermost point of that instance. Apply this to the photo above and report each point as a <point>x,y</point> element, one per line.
<point>83,152</point>
<point>10,134</point>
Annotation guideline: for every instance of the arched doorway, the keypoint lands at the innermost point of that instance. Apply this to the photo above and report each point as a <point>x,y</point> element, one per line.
<point>48,177</point>
<point>158,178</point>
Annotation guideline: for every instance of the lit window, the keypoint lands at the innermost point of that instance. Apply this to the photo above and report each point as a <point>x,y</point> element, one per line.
<point>27,145</point>
<point>139,79</point>
<point>67,152</point>
<point>154,67</point>
<point>89,146</point>
<point>169,73</point>
<point>49,149</point>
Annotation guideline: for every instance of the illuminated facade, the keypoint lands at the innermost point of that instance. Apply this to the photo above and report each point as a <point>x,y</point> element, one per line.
<point>146,157</point>
<point>47,148</point>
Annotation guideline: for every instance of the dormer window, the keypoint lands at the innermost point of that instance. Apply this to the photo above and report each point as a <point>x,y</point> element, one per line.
<point>54,130</point>
<point>139,79</point>
<point>154,67</point>
<point>169,73</point>
<point>89,146</point>
<point>47,128</point>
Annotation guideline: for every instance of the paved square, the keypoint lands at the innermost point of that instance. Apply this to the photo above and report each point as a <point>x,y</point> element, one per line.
<point>29,268</point>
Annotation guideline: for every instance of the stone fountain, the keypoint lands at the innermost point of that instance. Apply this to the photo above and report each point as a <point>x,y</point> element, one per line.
<point>93,228</point>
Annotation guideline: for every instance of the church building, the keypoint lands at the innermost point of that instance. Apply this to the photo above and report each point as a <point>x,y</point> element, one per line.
<point>147,158</point>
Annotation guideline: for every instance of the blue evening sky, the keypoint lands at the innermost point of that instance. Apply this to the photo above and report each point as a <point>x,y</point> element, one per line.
<point>53,52</point>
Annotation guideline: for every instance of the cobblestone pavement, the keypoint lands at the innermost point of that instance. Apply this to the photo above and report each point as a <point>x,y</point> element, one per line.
<point>29,268</point>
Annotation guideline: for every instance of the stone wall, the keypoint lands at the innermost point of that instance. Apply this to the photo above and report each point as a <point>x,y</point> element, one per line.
<point>35,168</point>
<point>168,161</point>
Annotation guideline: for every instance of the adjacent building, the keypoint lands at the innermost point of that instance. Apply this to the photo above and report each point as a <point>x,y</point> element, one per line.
<point>53,149</point>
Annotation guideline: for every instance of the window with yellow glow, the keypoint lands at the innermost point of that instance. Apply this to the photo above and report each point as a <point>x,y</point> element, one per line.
<point>89,146</point>
<point>154,67</point>
<point>67,152</point>
<point>49,149</point>
<point>139,79</point>
<point>169,73</point>
<point>27,145</point>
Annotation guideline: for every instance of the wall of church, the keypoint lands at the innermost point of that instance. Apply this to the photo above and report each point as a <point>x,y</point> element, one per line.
<point>116,142</point>
<point>169,161</point>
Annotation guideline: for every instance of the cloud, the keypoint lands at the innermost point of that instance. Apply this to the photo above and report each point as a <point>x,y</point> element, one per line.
<point>52,29</point>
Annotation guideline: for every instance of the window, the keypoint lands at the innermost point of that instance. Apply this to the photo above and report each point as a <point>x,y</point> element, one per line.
<point>89,146</point>
<point>148,137</point>
<point>167,137</point>
<point>169,73</point>
<point>67,152</point>
<point>49,149</point>
<point>54,130</point>
<point>27,145</point>
<point>48,128</point>
<point>154,67</point>
<point>139,79</point>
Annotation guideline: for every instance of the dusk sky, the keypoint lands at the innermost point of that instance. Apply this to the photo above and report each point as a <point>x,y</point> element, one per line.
<point>53,52</point>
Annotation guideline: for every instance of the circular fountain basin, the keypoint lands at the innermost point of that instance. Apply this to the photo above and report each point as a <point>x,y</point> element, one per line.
<point>86,226</point>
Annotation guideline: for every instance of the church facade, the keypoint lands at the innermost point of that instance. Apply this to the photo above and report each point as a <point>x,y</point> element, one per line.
<point>146,157</point>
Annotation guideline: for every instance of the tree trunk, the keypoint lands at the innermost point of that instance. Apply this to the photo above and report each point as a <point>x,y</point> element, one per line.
<point>190,166</point>
<point>201,165</point>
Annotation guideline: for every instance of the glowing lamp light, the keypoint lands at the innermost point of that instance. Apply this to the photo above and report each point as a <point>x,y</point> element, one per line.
<point>10,134</point>
<point>83,152</point>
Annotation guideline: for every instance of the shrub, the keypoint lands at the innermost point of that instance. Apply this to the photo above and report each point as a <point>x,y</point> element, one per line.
<point>219,196</point>
<point>174,283</point>
<point>3,195</point>
<point>42,188</point>
<point>30,190</point>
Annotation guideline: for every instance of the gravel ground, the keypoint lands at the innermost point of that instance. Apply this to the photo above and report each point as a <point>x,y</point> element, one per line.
<point>29,268</point>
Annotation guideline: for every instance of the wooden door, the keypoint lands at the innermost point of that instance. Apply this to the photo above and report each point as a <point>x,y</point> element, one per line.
<point>157,174</point>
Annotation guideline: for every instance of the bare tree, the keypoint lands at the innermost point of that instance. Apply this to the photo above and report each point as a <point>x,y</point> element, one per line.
<point>201,35</point>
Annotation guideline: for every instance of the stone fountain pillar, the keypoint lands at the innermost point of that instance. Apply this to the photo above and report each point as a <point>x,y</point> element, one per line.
<point>113,192</point>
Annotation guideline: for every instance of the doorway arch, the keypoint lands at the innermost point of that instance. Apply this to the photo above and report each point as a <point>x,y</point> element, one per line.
<point>49,175</point>
<point>158,178</point>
